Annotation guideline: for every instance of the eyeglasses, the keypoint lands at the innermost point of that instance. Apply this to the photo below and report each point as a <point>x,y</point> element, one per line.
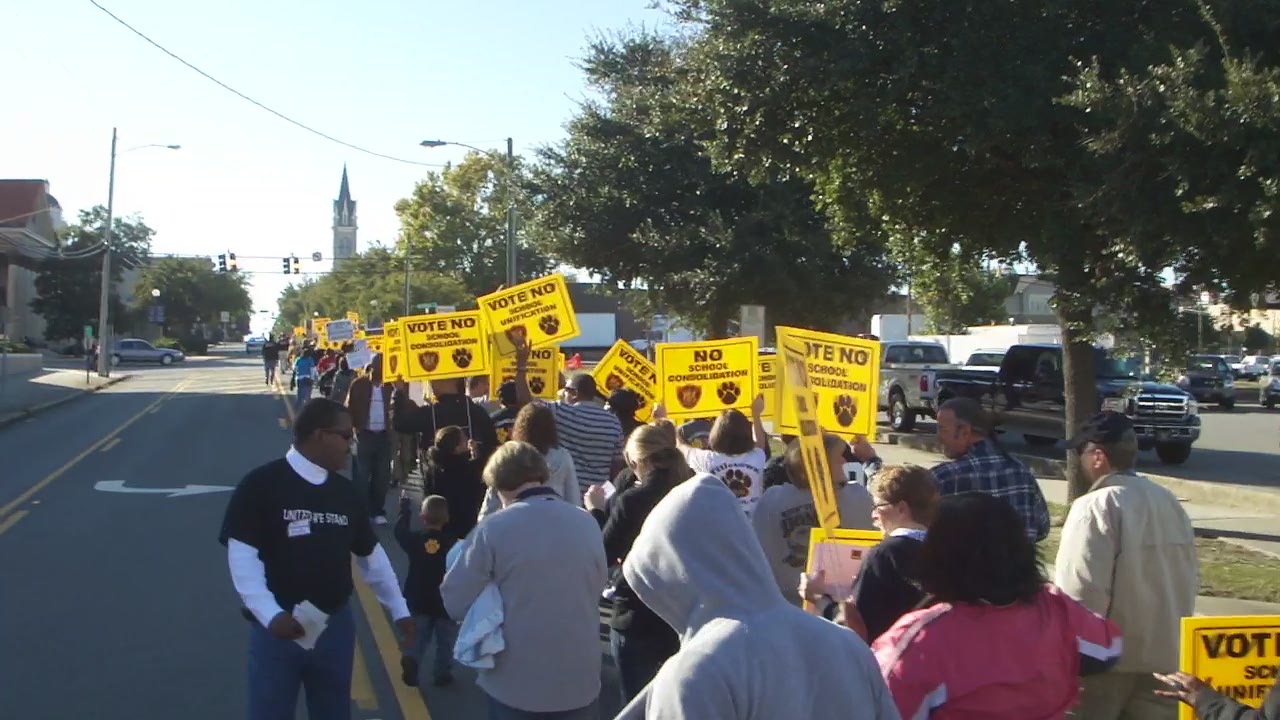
<point>879,505</point>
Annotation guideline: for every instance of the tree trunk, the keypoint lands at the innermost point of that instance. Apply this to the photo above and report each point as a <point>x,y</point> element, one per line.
<point>1079,375</point>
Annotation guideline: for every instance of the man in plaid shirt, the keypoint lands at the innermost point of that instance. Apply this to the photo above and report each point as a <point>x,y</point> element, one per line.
<point>978,464</point>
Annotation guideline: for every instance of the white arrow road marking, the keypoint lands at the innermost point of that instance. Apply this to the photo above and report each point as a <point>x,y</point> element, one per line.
<point>117,486</point>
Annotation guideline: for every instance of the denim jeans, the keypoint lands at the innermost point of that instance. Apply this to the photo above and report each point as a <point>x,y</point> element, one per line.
<point>638,658</point>
<point>270,367</point>
<point>279,668</point>
<point>373,469</point>
<point>498,711</point>
<point>445,632</point>
<point>304,390</point>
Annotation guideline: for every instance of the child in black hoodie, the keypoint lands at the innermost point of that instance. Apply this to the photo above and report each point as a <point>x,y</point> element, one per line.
<point>455,472</point>
<point>427,550</point>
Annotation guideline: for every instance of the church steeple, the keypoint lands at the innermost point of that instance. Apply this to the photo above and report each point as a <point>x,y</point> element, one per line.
<point>344,222</point>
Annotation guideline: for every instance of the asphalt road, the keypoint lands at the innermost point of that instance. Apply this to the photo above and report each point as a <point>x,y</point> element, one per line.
<point>118,604</point>
<point>1239,446</point>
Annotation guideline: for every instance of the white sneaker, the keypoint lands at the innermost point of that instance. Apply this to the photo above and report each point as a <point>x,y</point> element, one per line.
<point>380,520</point>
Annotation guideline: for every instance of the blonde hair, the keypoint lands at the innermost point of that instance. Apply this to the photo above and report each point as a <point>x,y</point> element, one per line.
<point>513,464</point>
<point>794,460</point>
<point>653,452</point>
<point>911,484</point>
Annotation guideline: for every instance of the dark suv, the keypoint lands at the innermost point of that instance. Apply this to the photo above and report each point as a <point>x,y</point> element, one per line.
<point>1209,379</point>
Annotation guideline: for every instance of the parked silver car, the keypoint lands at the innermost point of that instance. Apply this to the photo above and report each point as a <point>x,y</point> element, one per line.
<point>133,350</point>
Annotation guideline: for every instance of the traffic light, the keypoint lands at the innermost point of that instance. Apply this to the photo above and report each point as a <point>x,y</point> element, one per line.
<point>284,262</point>
<point>222,263</point>
<point>231,263</point>
<point>297,265</point>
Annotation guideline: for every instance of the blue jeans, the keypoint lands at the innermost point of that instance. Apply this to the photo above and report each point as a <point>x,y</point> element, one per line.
<point>270,367</point>
<point>445,632</point>
<point>498,711</point>
<point>279,668</point>
<point>373,469</point>
<point>638,658</point>
<point>304,390</point>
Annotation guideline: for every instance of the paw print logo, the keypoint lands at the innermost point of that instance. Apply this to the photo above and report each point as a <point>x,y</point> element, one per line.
<point>728,392</point>
<point>549,324</point>
<point>517,334</point>
<point>429,360</point>
<point>432,546</point>
<point>688,396</point>
<point>462,358</point>
<point>537,385</point>
<point>738,482</point>
<point>613,382</point>
<point>394,361</point>
<point>846,410</point>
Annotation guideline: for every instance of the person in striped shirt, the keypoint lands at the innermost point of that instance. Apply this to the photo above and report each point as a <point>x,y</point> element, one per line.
<point>592,435</point>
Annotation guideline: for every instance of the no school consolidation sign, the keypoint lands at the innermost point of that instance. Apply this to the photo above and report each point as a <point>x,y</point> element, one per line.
<point>703,379</point>
<point>624,367</point>
<point>451,345</point>
<point>844,376</point>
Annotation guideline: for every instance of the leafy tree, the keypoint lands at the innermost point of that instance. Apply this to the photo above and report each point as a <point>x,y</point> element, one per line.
<point>69,289</point>
<point>1256,339</point>
<point>193,293</point>
<point>955,291</point>
<point>631,196</point>
<point>1104,142</point>
<point>372,284</point>
<point>456,222</point>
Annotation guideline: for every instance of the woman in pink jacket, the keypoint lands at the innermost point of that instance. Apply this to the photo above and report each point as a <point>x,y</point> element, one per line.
<point>998,641</point>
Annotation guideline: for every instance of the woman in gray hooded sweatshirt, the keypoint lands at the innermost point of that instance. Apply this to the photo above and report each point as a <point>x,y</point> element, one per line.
<point>536,425</point>
<point>745,652</point>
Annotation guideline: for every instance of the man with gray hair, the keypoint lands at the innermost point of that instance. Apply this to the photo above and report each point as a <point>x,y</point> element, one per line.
<point>1128,554</point>
<point>547,558</point>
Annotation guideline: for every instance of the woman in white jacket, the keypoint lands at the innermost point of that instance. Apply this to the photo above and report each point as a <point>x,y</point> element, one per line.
<point>536,425</point>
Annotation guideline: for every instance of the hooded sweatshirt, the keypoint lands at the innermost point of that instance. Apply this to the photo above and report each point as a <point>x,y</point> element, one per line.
<point>745,652</point>
<point>562,478</point>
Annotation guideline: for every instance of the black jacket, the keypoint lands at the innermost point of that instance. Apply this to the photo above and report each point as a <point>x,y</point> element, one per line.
<point>887,586</point>
<point>427,550</point>
<point>408,417</point>
<point>621,523</point>
<point>458,478</point>
<point>1214,706</point>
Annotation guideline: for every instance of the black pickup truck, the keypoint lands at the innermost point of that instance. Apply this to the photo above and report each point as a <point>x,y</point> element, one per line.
<point>1026,395</point>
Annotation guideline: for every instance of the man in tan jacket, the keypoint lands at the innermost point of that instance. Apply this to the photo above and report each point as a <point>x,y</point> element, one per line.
<point>1128,553</point>
<point>369,401</point>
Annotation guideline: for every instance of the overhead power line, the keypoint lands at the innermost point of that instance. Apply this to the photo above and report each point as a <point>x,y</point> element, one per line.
<point>242,96</point>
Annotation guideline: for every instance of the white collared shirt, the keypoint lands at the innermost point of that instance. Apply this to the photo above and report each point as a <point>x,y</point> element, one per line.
<point>309,471</point>
<point>377,414</point>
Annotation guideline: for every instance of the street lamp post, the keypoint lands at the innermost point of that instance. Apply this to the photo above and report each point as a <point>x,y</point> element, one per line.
<point>512,269</point>
<point>104,298</point>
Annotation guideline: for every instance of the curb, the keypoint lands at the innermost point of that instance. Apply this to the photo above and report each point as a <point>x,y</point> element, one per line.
<point>26,413</point>
<point>1197,491</point>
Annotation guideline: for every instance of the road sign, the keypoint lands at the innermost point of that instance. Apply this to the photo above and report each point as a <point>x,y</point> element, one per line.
<point>155,314</point>
<point>224,316</point>
<point>316,257</point>
<point>118,486</point>
<point>88,332</point>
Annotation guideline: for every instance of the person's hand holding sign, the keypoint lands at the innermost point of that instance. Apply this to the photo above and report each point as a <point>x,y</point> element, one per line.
<point>1186,687</point>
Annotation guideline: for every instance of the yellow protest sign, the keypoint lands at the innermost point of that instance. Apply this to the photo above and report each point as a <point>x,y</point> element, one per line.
<point>543,372</point>
<point>767,377</point>
<point>539,312</point>
<point>703,379</point>
<point>844,375</point>
<point>1237,654</point>
<point>300,331</point>
<point>317,326</point>
<point>839,554</point>
<point>625,367</point>
<point>798,400</point>
<point>393,357</point>
<point>445,345</point>
<point>354,317</point>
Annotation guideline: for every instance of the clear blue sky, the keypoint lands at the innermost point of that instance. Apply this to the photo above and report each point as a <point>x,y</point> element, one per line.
<point>382,74</point>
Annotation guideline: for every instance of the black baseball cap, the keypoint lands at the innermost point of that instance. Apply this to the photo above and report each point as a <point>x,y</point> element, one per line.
<point>1105,427</point>
<point>624,401</point>
<point>507,394</point>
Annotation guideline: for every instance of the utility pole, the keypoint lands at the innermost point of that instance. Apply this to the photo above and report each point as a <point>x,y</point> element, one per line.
<point>104,299</point>
<point>406,279</point>
<point>511,214</point>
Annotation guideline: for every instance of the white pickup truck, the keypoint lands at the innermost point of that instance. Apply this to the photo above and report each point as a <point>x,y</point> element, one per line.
<point>907,386</point>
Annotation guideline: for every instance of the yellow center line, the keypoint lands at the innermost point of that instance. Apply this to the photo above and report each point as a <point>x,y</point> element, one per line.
<point>44,482</point>
<point>114,442</point>
<point>11,521</point>
<point>361,684</point>
<point>412,706</point>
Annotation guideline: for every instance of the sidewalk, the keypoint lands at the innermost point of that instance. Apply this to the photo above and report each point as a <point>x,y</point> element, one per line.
<point>1209,521</point>
<point>23,396</point>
